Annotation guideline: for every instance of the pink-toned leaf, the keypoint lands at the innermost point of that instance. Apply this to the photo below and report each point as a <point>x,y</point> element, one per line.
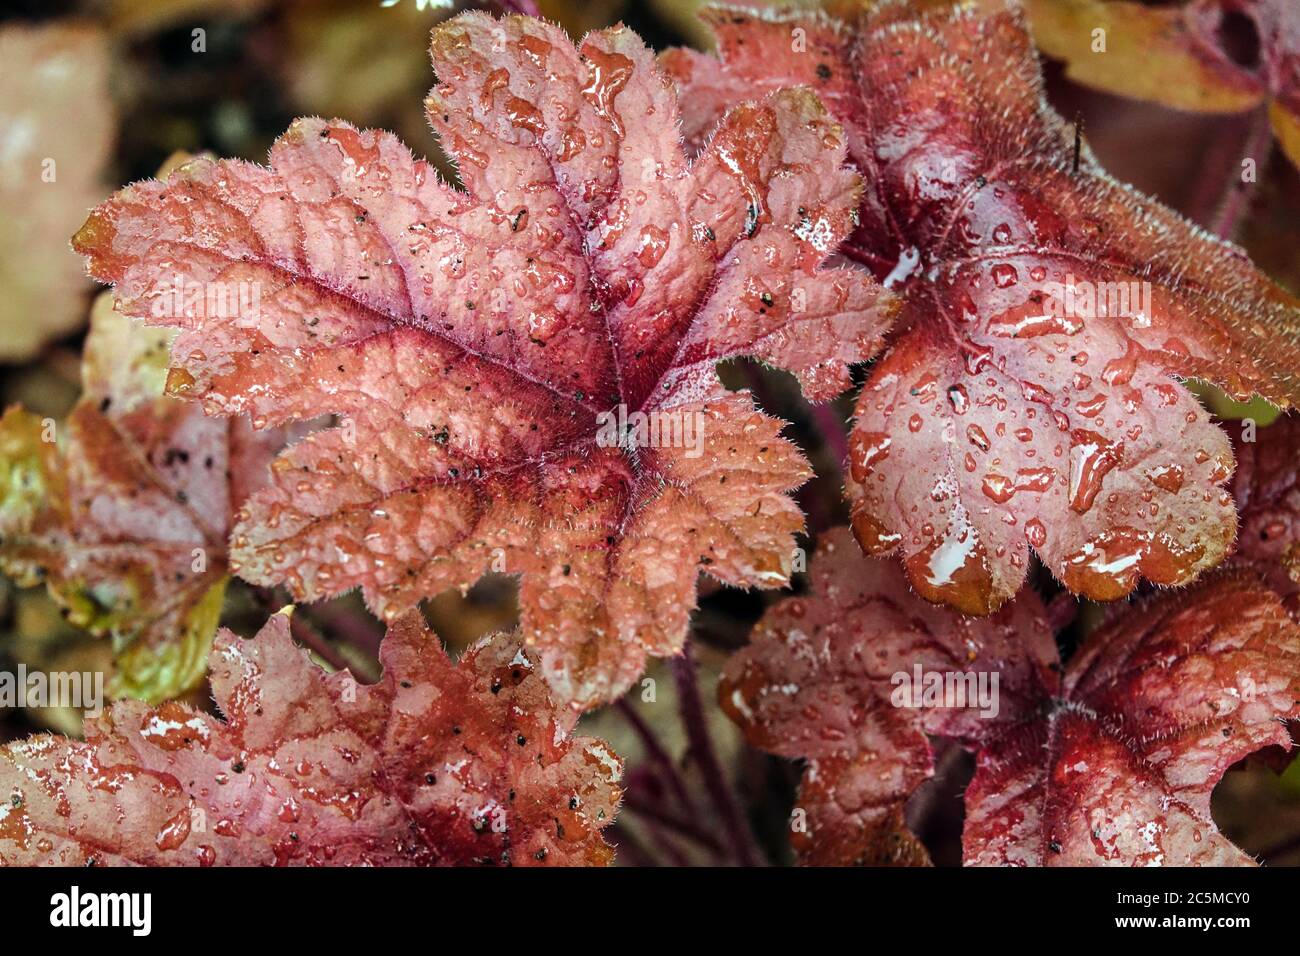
<point>818,682</point>
<point>758,53</point>
<point>471,340</point>
<point>438,764</point>
<point>1155,707</point>
<point>126,518</point>
<point>1012,414</point>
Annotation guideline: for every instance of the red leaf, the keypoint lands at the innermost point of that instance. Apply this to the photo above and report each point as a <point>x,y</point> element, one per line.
<point>1154,708</point>
<point>1267,489</point>
<point>1033,400</point>
<point>472,340</point>
<point>1113,763</point>
<point>817,682</point>
<point>439,763</point>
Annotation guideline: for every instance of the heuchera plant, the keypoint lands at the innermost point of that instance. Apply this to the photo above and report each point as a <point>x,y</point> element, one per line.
<point>518,374</point>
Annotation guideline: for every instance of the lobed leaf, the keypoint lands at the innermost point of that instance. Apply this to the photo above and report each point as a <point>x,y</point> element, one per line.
<point>1154,708</point>
<point>126,519</point>
<point>438,764</point>
<point>1031,400</point>
<point>1111,762</point>
<point>472,341</point>
<point>818,683</point>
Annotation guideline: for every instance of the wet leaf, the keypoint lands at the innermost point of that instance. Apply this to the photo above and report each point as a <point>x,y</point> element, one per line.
<point>1267,488</point>
<point>1033,400</point>
<point>819,682</point>
<point>1110,761</point>
<point>1118,769</point>
<point>439,763</point>
<point>475,343</point>
<point>126,518</point>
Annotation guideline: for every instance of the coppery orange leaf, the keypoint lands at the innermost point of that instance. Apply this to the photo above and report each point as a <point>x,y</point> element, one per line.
<point>485,347</point>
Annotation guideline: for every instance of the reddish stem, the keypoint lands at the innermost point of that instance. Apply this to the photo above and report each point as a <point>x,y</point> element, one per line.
<point>303,631</point>
<point>701,744</point>
<point>758,387</point>
<point>306,634</point>
<point>831,427</point>
<point>658,755</point>
<point>1216,165</point>
<point>359,631</point>
<point>645,808</point>
<point>1061,611</point>
<point>858,254</point>
<point>1236,199</point>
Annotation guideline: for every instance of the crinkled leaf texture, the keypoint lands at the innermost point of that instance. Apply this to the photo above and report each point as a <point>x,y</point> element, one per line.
<point>438,764</point>
<point>817,683</point>
<point>1111,762</point>
<point>1189,56</point>
<point>1267,488</point>
<point>472,340</point>
<point>126,518</point>
<point>1152,710</point>
<point>1031,399</point>
<point>56,124</point>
